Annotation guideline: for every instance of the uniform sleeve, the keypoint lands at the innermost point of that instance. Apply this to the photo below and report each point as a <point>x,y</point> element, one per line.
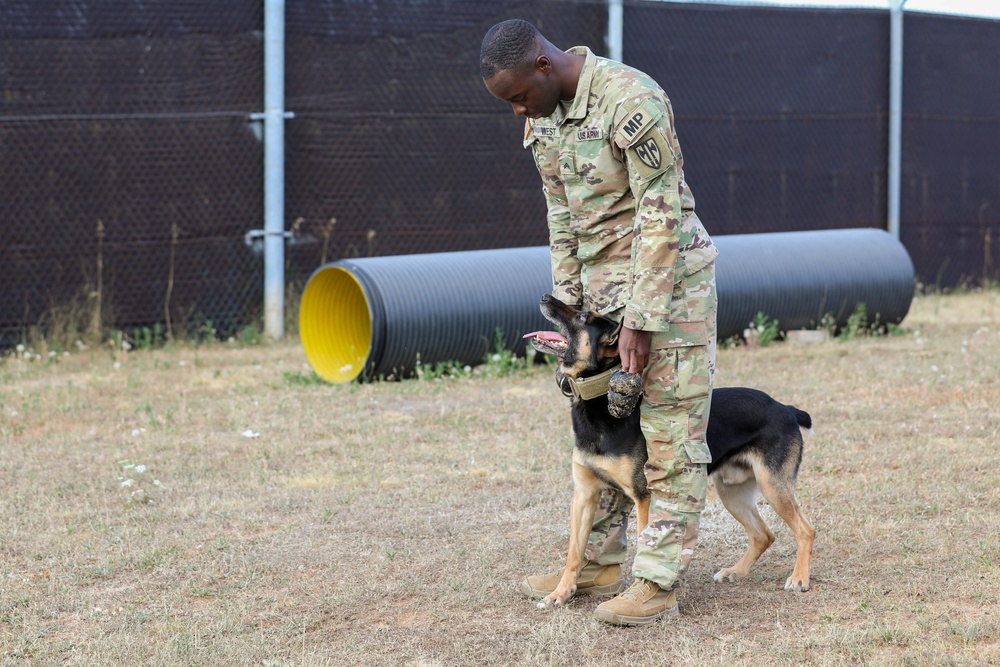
<point>649,147</point>
<point>562,244</point>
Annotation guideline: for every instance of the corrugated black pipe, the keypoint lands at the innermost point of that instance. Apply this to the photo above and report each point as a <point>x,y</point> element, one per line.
<point>798,277</point>
<point>377,316</point>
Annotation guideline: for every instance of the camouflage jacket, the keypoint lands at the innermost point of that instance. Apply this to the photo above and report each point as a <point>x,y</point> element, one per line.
<point>622,227</point>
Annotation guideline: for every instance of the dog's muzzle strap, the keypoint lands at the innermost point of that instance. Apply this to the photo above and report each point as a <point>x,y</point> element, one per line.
<point>594,386</point>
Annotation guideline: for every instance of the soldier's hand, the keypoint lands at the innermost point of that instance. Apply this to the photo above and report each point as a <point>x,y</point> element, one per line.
<point>633,348</point>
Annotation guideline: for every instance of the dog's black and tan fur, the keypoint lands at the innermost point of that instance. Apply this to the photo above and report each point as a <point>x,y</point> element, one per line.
<point>755,441</point>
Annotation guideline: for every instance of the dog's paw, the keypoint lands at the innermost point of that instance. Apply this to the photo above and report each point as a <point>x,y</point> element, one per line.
<point>555,599</point>
<point>729,575</point>
<point>797,584</point>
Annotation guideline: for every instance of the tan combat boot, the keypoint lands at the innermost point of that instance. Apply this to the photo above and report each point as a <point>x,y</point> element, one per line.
<point>594,579</point>
<point>644,602</point>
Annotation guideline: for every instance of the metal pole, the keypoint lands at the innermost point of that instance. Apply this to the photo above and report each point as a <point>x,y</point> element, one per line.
<point>616,23</point>
<point>274,168</point>
<point>895,114</point>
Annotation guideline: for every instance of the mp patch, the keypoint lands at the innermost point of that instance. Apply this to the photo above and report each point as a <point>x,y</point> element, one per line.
<point>636,123</point>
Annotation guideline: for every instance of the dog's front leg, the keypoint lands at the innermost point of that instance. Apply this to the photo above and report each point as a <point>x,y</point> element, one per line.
<point>641,514</point>
<point>586,491</point>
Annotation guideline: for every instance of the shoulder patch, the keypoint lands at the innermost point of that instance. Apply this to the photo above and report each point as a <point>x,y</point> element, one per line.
<point>529,136</point>
<point>651,155</point>
<point>636,123</point>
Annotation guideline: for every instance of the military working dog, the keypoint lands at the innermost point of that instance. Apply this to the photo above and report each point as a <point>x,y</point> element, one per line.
<point>756,446</point>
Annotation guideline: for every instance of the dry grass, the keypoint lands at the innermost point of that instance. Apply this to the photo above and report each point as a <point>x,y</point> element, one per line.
<point>388,524</point>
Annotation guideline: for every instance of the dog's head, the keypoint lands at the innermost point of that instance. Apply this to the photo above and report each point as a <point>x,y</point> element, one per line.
<point>586,343</point>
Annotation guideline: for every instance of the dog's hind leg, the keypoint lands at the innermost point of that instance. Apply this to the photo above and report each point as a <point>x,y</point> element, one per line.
<point>740,499</point>
<point>779,489</point>
<point>586,492</point>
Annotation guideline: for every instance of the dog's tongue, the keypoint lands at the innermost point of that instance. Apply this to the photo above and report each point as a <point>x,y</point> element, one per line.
<point>553,336</point>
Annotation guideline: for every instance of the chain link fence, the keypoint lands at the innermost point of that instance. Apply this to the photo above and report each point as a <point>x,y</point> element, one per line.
<point>396,138</point>
<point>132,160</point>
<point>130,167</point>
<point>782,113</point>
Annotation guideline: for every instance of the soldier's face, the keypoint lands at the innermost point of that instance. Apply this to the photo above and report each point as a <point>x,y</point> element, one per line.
<point>531,91</point>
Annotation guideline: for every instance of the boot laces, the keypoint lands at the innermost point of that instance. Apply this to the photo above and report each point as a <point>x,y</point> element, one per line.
<point>641,590</point>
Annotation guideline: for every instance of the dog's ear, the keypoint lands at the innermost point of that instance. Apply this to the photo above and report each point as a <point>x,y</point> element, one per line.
<point>609,341</point>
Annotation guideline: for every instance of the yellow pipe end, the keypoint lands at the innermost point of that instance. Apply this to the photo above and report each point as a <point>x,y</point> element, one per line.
<point>335,324</point>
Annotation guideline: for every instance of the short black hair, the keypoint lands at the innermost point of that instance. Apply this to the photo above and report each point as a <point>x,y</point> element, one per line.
<point>508,45</point>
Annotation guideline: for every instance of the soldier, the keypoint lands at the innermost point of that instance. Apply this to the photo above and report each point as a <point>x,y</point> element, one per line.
<point>625,242</point>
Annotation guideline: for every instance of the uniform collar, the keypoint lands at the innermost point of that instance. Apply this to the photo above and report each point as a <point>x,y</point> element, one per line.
<point>578,108</point>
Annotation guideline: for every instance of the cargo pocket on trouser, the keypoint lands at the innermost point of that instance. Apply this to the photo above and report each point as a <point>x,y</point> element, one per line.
<point>695,373</point>
<point>677,471</point>
<point>697,451</point>
<point>678,374</point>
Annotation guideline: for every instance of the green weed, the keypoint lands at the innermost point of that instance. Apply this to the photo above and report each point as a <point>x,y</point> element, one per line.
<point>440,370</point>
<point>857,323</point>
<point>299,379</point>
<point>250,335</point>
<point>763,330</point>
<point>148,339</point>
<point>502,362</point>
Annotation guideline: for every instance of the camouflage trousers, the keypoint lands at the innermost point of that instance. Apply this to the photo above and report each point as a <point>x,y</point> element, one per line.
<point>677,387</point>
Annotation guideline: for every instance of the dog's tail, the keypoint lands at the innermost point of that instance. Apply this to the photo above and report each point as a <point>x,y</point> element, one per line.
<point>802,418</point>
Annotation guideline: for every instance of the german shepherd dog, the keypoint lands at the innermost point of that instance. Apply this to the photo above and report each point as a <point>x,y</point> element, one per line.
<point>755,442</point>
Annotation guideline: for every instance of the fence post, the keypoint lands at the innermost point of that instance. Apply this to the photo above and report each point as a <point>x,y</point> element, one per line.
<point>274,168</point>
<point>616,25</point>
<point>895,114</point>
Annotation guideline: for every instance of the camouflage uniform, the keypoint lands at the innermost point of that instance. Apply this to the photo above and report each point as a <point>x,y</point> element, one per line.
<point>625,241</point>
